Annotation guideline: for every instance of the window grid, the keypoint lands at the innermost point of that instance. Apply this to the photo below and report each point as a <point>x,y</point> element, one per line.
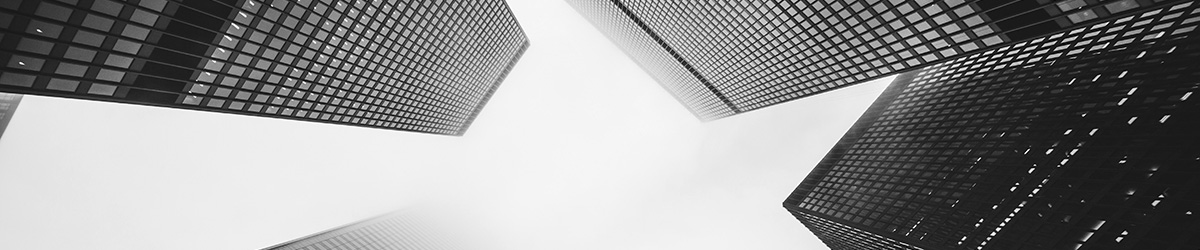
<point>1013,140</point>
<point>761,53</point>
<point>419,67</point>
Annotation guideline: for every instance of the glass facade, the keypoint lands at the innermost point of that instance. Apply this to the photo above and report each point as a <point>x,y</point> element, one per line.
<point>388,232</point>
<point>840,236</point>
<point>8,106</point>
<point>647,49</point>
<point>721,58</point>
<point>1083,139</point>
<point>422,66</point>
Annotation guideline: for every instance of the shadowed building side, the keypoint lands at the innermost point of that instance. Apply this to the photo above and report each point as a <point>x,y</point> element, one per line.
<point>1084,139</point>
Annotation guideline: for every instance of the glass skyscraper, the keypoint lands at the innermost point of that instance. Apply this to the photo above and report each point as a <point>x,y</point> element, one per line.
<point>393,231</point>
<point>8,106</point>
<point>423,66</point>
<point>721,58</point>
<point>1082,139</point>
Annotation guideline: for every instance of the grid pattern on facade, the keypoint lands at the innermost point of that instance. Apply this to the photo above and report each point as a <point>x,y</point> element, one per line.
<point>8,106</point>
<point>842,237</point>
<point>631,36</point>
<point>427,67</point>
<point>1083,139</point>
<point>388,232</point>
<point>760,53</point>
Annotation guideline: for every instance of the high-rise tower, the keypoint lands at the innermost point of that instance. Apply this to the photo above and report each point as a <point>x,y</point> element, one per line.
<point>721,58</point>
<point>417,66</point>
<point>1084,139</point>
<point>397,230</point>
<point>8,106</point>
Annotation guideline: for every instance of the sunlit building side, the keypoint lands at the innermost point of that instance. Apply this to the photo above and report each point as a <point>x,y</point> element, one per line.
<point>393,231</point>
<point>721,58</point>
<point>424,66</point>
<point>8,107</point>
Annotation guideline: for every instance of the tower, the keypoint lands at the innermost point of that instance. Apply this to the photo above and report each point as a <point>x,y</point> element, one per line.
<point>8,106</point>
<point>721,58</point>
<point>1083,139</point>
<point>414,66</point>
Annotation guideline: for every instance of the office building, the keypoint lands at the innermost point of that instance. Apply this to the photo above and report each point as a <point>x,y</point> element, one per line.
<point>393,231</point>
<point>1083,139</point>
<point>721,58</point>
<point>415,66</point>
<point>8,106</point>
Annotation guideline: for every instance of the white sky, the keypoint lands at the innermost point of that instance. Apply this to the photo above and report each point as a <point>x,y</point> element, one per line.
<point>579,149</point>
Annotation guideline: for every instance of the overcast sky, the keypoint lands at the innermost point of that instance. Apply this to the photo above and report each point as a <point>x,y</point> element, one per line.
<point>578,149</point>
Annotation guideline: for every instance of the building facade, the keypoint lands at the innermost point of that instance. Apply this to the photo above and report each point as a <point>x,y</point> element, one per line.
<point>721,58</point>
<point>393,231</point>
<point>8,106</point>
<point>1083,139</point>
<point>415,66</point>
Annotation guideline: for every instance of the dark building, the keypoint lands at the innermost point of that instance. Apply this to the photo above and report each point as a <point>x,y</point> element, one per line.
<point>8,106</point>
<point>398,230</point>
<point>1084,139</point>
<point>415,66</point>
<point>721,58</point>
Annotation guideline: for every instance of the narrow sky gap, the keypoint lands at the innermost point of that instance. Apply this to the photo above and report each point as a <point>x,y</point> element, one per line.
<point>578,149</point>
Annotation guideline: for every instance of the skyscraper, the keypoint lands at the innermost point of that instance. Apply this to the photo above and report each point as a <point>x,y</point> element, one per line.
<point>416,66</point>
<point>8,106</point>
<point>1084,139</point>
<point>393,231</point>
<point>721,58</point>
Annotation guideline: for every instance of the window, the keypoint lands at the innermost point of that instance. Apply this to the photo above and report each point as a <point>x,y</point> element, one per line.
<point>110,75</point>
<point>53,11</point>
<point>88,37</point>
<point>44,29</point>
<point>71,69</point>
<point>1082,16</point>
<point>14,79</point>
<point>98,23</point>
<point>62,85</point>
<point>1121,6</point>
<point>102,89</point>
<point>35,46</point>
<point>1070,5</point>
<point>25,63</point>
